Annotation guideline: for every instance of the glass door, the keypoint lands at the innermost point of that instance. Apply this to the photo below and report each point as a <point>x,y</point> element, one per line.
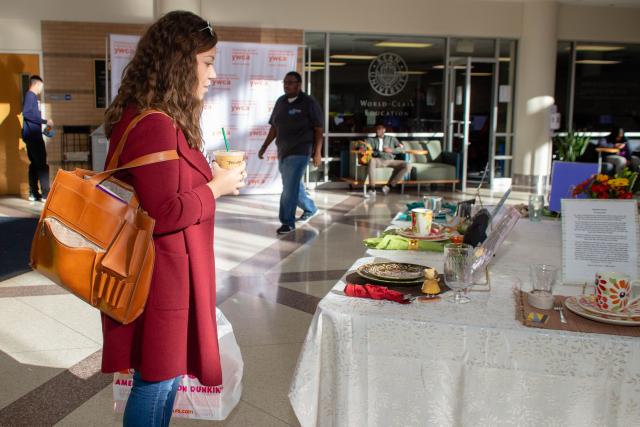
<point>472,117</point>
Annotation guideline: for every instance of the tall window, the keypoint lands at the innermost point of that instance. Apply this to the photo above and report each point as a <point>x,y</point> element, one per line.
<point>606,85</point>
<point>563,84</point>
<point>395,80</point>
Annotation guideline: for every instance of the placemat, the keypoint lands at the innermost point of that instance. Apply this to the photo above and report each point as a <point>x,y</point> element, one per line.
<point>574,323</point>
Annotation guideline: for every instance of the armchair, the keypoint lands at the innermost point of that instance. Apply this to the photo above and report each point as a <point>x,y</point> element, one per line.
<point>436,167</point>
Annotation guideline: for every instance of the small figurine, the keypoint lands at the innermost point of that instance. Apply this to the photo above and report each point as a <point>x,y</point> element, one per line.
<point>430,285</point>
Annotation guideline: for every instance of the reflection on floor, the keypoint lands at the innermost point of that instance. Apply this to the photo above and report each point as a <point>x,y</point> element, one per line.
<point>268,287</point>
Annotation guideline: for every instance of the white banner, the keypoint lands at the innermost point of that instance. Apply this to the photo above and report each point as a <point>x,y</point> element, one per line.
<point>248,83</point>
<point>121,51</point>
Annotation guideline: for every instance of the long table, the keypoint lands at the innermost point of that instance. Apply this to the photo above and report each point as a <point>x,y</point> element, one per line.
<point>379,363</point>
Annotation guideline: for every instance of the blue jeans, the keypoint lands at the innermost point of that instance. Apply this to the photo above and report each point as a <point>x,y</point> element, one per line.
<point>293,194</point>
<point>150,404</point>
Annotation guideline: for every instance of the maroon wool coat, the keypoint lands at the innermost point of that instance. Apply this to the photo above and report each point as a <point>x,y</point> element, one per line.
<point>177,332</point>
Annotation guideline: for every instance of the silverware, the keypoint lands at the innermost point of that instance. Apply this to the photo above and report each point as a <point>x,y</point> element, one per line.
<point>557,306</point>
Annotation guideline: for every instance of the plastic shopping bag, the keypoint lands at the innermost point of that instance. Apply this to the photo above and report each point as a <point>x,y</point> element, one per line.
<point>194,400</point>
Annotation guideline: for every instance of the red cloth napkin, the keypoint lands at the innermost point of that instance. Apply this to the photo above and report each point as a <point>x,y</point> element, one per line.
<point>375,292</point>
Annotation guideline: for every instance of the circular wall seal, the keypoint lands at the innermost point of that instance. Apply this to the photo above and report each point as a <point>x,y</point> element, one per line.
<point>388,74</point>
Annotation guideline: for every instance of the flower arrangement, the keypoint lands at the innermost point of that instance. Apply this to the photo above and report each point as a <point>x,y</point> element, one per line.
<point>602,187</point>
<point>364,152</point>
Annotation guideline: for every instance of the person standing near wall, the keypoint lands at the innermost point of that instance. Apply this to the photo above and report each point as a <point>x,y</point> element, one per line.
<point>32,136</point>
<point>296,125</point>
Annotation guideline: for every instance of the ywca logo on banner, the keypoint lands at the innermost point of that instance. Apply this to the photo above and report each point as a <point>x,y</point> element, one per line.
<point>280,58</point>
<point>124,49</point>
<point>221,84</point>
<point>241,107</point>
<point>241,56</point>
<point>259,133</point>
<point>228,130</point>
<point>260,84</point>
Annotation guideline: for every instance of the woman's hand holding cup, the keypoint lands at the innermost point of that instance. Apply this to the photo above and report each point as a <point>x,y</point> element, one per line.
<point>227,181</point>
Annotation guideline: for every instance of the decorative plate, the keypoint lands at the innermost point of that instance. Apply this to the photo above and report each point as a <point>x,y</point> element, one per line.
<point>376,280</point>
<point>434,236</point>
<point>588,302</point>
<point>393,271</point>
<point>573,306</point>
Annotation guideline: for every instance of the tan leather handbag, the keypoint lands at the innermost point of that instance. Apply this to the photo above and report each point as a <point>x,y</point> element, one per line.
<point>94,239</point>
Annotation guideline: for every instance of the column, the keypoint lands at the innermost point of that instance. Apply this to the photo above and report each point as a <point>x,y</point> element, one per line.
<point>534,93</point>
<point>164,6</point>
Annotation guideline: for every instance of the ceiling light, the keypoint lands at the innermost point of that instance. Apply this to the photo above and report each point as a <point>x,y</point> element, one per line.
<point>331,64</point>
<point>597,62</point>
<point>357,57</point>
<point>403,44</point>
<point>413,73</point>
<point>457,67</point>
<point>307,68</point>
<point>597,48</point>
<point>504,59</point>
<point>480,74</point>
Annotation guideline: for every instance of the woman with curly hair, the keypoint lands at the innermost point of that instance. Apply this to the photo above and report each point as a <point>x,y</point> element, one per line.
<point>177,332</point>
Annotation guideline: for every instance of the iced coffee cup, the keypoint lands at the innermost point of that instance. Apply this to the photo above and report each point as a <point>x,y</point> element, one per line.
<point>229,159</point>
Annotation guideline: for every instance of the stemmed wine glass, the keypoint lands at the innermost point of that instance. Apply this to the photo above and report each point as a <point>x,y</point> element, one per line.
<point>458,258</point>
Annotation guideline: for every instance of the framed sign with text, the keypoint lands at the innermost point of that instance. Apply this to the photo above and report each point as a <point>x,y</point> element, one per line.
<point>599,235</point>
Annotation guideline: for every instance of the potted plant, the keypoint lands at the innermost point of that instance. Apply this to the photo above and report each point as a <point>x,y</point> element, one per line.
<point>571,146</point>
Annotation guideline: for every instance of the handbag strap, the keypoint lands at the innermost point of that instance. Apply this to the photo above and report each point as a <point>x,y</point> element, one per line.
<point>147,159</point>
<point>143,160</point>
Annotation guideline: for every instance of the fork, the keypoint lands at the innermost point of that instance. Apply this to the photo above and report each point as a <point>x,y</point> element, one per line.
<point>557,306</point>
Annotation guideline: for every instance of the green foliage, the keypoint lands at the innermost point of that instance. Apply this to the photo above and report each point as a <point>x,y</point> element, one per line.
<point>634,182</point>
<point>570,146</point>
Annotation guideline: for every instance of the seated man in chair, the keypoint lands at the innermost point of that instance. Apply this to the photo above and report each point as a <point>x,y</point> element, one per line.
<point>385,148</point>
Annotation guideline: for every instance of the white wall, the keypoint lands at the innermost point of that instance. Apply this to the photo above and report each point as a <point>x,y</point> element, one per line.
<point>422,17</point>
<point>610,24</point>
<point>20,19</point>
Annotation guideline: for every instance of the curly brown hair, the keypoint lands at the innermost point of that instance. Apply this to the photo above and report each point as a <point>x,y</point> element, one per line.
<point>163,73</point>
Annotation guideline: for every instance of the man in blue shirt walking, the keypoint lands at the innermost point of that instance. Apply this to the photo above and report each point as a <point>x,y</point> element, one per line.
<point>32,136</point>
<point>296,125</point>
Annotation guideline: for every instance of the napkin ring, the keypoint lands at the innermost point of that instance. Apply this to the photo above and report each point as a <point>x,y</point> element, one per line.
<point>413,245</point>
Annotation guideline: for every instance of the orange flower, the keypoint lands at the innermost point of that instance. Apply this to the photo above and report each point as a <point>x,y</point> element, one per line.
<point>619,291</point>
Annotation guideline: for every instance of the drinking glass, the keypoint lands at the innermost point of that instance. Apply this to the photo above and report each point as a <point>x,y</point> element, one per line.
<point>434,203</point>
<point>464,210</point>
<point>536,203</point>
<point>543,277</point>
<point>457,270</point>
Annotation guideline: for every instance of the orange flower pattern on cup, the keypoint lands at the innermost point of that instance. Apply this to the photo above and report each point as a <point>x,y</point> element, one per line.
<point>613,291</point>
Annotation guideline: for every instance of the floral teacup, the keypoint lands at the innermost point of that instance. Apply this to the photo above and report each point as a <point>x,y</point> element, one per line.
<point>421,221</point>
<point>613,291</point>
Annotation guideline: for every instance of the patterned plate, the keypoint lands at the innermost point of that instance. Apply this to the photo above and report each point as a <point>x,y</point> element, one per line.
<point>406,232</point>
<point>588,302</point>
<point>376,280</point>
<point>393,271</point>
<point>573,306</point>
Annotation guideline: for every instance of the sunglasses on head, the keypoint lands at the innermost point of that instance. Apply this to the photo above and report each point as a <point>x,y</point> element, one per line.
<point>208,27</point>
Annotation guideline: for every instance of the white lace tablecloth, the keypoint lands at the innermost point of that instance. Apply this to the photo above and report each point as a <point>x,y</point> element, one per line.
<point>378,363</point>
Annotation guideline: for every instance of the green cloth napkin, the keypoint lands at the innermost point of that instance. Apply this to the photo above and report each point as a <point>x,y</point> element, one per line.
<point>395,242</point>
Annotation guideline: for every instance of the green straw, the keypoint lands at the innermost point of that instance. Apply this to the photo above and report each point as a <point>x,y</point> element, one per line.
<point>226,143</point>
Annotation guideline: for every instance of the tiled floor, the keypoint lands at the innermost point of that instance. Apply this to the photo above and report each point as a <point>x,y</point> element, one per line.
<point>268,287</point>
